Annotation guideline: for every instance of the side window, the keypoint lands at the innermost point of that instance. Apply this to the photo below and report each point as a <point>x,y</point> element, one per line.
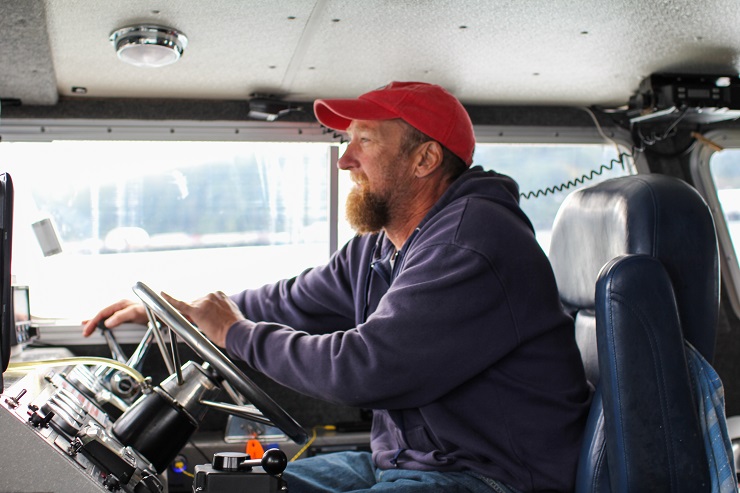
<point>189,217</point>
<point>548,173</point>
<point>715,166</point>
<point>725,170</point>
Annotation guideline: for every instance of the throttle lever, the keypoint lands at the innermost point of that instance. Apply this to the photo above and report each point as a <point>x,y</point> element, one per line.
<point>120,384</point>
<point>115,348</point>
<point>232,471</point>
<point>273,462</point>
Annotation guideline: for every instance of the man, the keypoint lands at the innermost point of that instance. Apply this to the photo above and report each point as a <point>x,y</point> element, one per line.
<point>442,316</point>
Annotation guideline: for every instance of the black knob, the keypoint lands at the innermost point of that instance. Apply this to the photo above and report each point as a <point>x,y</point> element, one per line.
<point>38,420</point>
<point>274,461</point>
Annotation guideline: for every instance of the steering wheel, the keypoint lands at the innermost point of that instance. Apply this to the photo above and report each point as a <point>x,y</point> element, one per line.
<point>226,368</point>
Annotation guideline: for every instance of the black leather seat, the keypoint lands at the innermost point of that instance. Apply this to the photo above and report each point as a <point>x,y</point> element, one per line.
<point>637,264</point>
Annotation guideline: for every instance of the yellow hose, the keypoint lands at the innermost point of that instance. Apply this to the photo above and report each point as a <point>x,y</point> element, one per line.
<point>86,360</point>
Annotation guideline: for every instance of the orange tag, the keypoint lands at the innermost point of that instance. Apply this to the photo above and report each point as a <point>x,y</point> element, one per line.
<point>254,449</point>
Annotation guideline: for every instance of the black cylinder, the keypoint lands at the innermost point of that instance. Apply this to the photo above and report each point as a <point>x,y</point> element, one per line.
<point>156,427</point>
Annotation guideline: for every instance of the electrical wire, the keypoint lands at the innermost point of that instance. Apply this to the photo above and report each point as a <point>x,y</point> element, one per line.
<point>305,447</point>
<point>577,181</point>
<point>312,439</point>
<point>654,138</point>
<point>563,186</point>
<point>620,159</point>
<point>336,135</point>
<point>599,129</point>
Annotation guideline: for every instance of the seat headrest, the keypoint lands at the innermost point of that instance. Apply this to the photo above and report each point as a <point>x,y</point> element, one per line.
<point>654,215</point>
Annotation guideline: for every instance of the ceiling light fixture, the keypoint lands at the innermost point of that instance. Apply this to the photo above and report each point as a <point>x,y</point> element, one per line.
<point>149,45</point>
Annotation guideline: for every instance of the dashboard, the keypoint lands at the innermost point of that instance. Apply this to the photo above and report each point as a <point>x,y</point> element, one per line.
<point>62,430</point>
<point>56,437</point>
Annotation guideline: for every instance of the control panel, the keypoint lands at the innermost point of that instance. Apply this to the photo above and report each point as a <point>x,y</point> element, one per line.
<point>57,438</point>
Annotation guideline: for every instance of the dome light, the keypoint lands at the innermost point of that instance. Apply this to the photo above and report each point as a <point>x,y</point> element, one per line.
<point>149,45</point>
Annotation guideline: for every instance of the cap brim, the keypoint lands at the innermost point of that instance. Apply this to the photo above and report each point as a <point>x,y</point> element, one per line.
<point>339,113</point>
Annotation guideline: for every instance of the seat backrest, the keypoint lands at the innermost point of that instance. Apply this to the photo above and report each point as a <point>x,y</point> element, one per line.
<point>657,217</point>
<point>654,215</point>
<point>652,428</point>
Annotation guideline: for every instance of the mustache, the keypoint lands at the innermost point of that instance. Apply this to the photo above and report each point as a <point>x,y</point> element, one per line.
<point>359,179</point>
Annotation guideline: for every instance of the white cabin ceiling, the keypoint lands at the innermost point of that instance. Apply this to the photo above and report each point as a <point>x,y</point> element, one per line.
<point>498,52</point>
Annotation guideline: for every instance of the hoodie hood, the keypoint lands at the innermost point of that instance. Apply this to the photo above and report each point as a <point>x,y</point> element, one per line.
<point>481,184</point>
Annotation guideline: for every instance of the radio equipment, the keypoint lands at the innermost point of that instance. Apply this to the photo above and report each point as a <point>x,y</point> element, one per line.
<point>696,98</point>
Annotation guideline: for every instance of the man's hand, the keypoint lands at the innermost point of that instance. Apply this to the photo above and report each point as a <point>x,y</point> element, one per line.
<point>114,315</point>
<point>214,314</point>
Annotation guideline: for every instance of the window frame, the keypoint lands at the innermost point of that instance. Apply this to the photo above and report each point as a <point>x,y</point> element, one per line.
<point>701,174</point>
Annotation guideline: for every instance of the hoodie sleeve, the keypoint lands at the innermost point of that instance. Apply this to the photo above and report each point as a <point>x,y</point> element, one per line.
<point>448,301</point>
<point>319,300</point>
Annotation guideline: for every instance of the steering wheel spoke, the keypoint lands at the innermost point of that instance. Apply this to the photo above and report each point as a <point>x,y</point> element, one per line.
<point>272,413</point>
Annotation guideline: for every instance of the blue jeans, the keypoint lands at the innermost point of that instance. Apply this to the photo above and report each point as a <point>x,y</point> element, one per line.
<point>355,472</point>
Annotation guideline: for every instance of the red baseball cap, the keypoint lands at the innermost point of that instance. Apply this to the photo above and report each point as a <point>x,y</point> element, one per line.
<point>427,107</point>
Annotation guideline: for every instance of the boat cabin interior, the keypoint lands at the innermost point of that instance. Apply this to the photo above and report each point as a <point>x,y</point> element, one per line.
<point>172,146</point>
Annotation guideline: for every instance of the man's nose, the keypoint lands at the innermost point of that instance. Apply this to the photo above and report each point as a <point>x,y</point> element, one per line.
<point>346,160</point>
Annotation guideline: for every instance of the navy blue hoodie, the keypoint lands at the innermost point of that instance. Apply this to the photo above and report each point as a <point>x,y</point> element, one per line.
<point>460,346</point>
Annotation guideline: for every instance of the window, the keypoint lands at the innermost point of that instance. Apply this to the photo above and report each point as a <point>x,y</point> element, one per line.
<point>191,217</point>
<point>725,170</point>
<point>548,173</point>
<point>715,167</point>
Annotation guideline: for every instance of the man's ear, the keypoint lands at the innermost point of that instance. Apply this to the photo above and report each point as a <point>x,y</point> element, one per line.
<point>429,158</point>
